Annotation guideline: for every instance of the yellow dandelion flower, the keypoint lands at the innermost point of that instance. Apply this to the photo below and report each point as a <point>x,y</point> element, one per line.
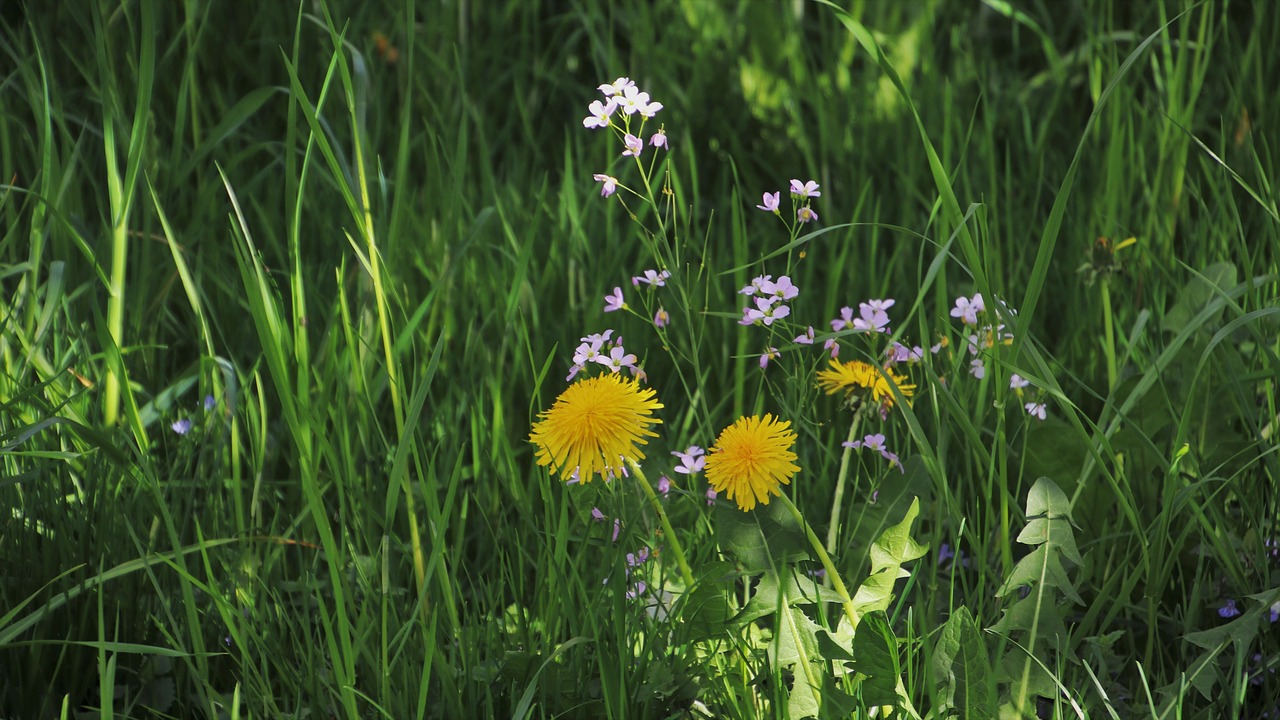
<point>594,427</point>
<point>751,458</point>
<point>855,375</point>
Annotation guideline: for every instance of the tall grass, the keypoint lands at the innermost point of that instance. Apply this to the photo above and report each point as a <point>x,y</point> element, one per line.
<point>355,250</point>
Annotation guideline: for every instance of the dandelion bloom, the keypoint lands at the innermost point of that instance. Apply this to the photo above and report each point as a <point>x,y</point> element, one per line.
<point>751,458</point>
<point>855,375</point>
<point>594,427</point>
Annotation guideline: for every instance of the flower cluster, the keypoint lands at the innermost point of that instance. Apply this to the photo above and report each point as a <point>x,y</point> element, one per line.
<point>622,102</point>
<point>770,300</point>
<point>802,194</point>
<point>876,443</point>
<point>603,349</point>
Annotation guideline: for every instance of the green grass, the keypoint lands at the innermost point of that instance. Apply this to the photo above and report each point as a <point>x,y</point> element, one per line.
<point>379,270</point>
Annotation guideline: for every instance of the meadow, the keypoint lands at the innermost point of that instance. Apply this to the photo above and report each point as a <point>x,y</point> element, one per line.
<point>678,359</point>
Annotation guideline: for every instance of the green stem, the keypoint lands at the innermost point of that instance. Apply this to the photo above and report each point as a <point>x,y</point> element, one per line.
<point>672,541</point>
<point>1110,338</point>
<point>838,501</point>
<point>836,583</point>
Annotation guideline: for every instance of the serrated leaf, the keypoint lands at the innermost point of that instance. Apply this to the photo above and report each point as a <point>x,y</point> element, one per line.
<point>875,652</point>
<point>961,664</point>
<point>1054,532</point>
<point>762,539</point>
<point>706,610</point>
<point>1032,611</point>
<point>894,547</point>
<point>1040,569</point>
<point>1242,630</point>
<point>796,646</point>
<point>798,589</point>
<point>837,645</point>
<point>1046,499</point>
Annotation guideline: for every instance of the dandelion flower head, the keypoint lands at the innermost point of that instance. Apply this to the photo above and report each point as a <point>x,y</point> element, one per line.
<point>751,458</point>
<point>854,376</point>
<point>594,427</point>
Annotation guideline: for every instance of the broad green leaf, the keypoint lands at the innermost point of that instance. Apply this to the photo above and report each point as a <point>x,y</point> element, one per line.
<point>875,652</point>
<point>796,647</point>
<point>894,547</point>
<point>1039,570</point>
<point>761,539</point>
<point>1197,294</point>
<point>1046,499</point>
<point>962,666</point>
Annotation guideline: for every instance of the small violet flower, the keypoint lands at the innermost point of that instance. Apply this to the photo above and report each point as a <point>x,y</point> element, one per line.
<point>1017,382</point>
<point>967,309</point>
<point>182,427</point>
<point>633,145</point>
<point>832,345</point>
<point>770,203</point>
<point>711,496</point>
<point>806,338</point>
<point>610,185</point>
<point>764,311</point>
<point>1035,410</point>
<point>692,460</point>
<point>876,442</point>
<point>596,515</point>
<point>1228,609</point>
<point>659,139</point>
<point>767,356</point>
<point>806,214</point>
<point>977,369</point>
<point>600,113</point>
<point>652,277</point>
<point>634,100</point>
<point>781,290</point>
<point>617,87</point>
<point>618,358</point>
<point>809,189</point>
<point>661,318</point>
<point>209,403</point>
<point>845,320</point>
<point>664,485</point>
<point>756,286</point>
<point>614,302</point>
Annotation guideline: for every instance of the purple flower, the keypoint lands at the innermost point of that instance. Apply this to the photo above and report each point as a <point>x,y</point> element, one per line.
<point>945,553</point>
<point>756,285</point>
<point>967,310</point>
<point>600,113</point>
<point>711,496</point>
<point>809,189</point>
<point>806,338</point>
<point>767,356</point>
<point>614,301</point>
<point>899,353</point>
<point>596,515</point>
<point>977,369</point>
<point>633,145</point>
<point>765,311</point>
<point>806,214</point>
<point>661,318</point>
<point>845,320</point>
<point>640,587</point>
<point>650,109</point>
<point>617,526</point>
<point>1275,611</point>
<point>659,139</point>
<point>617,359</point>
<point>182,427</point>
<point>876,442</point>
<point>634,100</point>
<point>871,318</point>
<point>610,184</point>
<point>1035,410</point>
<point>692,460</point>
<point>832,345</point>
<point>770,202</point>
<point>1228,609</point>
<point>652,277</point>
<point>640,558</point>
<point>664,485</point>
<point>1017,382</point>
<point>781,290</point>
<point>617,87</point>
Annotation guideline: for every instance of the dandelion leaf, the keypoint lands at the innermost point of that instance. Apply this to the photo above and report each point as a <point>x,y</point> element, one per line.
<point>788,587</point>
<point>1040,569</point>
<point>962,668</point>
<point>875,652</point>
<point>1197,295</point>
<point>795,648</point>
<point>705,610</point>
<point>761,539</point>
<point>894,547</point>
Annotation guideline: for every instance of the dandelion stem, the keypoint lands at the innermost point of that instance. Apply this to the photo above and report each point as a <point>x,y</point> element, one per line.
<point>838,501</point>
<point>825,558</point>
<point>672,541</point>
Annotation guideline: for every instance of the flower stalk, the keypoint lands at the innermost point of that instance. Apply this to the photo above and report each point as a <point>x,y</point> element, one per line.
<point>673,542</point>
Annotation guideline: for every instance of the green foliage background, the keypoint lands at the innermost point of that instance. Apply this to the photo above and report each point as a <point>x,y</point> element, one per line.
<point>378,267</point>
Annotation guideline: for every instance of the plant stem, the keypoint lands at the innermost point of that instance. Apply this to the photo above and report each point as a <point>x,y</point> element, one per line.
<point>838,501</point>
<point>672,541</point>
<point>1109,339</point>
<point>825,558</point>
